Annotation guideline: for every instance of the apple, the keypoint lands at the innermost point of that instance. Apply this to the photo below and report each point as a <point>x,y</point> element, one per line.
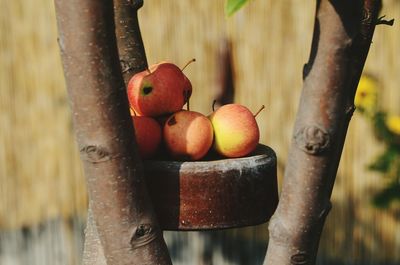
<point>157,91</point>
<point>148,135</point>
<point>161,89</point>
<point>188,135</point>
<point>236,132</point>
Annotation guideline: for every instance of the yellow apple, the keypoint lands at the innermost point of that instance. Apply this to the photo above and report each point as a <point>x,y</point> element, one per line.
<point>236,132</point>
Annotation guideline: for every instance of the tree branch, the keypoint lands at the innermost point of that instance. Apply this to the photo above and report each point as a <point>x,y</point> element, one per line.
<point>130,44</point>
<point>120,206</point>
<point>382,21</point>
<point>342,36</point>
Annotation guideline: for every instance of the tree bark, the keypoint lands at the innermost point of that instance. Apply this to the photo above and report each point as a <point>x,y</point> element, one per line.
<point>120,209</point>
<point>342,36</point>
<point>129,40</point>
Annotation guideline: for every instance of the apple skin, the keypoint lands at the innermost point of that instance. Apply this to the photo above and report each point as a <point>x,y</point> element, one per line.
<point>148,135</point>
<point>236,132</point>
<point>188,135</point>
<point>165,89</point>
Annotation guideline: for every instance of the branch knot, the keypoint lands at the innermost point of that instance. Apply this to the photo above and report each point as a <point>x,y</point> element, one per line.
<point>299,258</point>
<point>95,154</point>
<point>126,66</point>
<point>143,235</point>
<point>312,139</point>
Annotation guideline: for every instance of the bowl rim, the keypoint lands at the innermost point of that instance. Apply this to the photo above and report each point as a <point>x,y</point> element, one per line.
<point>261,156</point>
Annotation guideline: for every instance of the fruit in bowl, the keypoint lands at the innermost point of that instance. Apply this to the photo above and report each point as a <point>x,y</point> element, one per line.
<point>161,89</point>
<point>236,131</point>
<point>148,135</point>
<point>160,92</point>
<point>188,135</point>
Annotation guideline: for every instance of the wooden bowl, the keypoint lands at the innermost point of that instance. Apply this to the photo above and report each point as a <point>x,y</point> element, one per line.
<point>214,194</point>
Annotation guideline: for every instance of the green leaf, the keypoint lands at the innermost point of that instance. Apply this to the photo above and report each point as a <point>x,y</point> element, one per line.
<point>384,161</point>
<point>383,133</point>
<point>231,6</point>
<point>389,194</point>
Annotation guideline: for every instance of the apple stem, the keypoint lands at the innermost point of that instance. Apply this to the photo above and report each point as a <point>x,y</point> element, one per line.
<point>191,61</point>
<point>262,107</point>
<point>213,105</point>
<point>187,105</point>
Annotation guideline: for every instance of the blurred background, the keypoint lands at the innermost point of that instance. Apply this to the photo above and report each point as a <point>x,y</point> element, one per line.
<point>256,56</point>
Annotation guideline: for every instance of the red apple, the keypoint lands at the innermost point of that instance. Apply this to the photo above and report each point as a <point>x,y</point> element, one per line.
<point>236,131</point>
<point>161,89</point>
<point>188,135</point>
<point>148,135</point>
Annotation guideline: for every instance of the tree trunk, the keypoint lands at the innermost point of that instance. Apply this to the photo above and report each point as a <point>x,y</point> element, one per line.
<point>342,36</point>
<point>121,214</point>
